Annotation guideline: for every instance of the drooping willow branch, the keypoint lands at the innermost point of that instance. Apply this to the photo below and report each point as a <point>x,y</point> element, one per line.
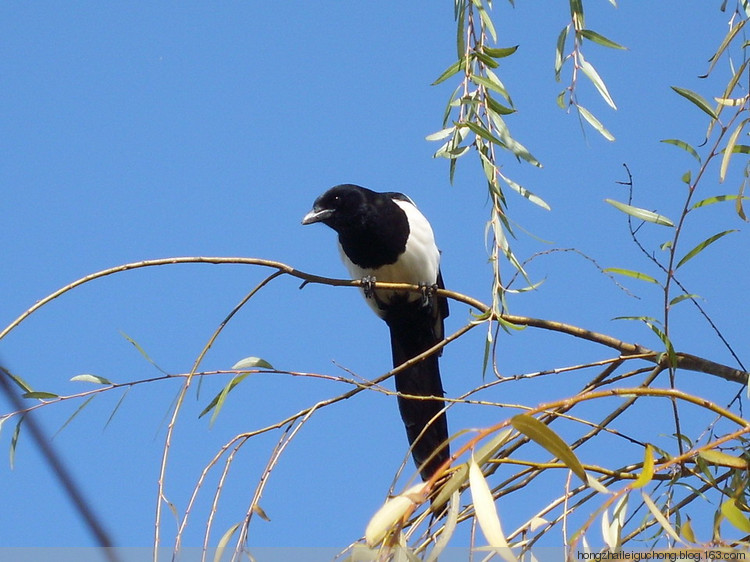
<point>684,360</point>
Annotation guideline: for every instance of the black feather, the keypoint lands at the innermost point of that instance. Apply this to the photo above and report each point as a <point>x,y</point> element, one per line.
<point>412,327</point>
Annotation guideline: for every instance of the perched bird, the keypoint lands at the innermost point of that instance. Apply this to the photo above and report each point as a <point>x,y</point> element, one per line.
<point>383,237</point>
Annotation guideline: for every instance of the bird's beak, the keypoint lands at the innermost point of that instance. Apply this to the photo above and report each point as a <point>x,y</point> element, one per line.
<point>317,215</point>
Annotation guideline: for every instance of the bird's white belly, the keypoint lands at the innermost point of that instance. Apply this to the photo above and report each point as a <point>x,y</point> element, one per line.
<point>418,264</point>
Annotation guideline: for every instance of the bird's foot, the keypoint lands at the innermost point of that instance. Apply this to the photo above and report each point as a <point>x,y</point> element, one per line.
<point>428,293</point>
<point>368,286</point>
<point>368,289</point>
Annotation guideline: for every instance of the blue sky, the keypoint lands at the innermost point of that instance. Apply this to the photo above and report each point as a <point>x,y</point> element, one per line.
<point>133,132</point>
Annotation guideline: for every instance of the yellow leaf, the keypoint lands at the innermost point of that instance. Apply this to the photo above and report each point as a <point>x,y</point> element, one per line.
<point>647,473</point>
<point>686,530</point>
<point>544,436</point>
<point>722,459</point>
<point>733,514</point>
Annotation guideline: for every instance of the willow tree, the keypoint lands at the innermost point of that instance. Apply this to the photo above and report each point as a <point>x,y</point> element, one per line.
<point>614,485</point>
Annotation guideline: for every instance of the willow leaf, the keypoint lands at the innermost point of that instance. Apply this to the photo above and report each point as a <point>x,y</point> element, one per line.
<point>733,514</point>
<point>698,100</point>
<point>729,149</point>
<point>684,146</point>
<point>647,474</point>
<point>544,436</point>
<point>643,214</point>
<point>595,123</point>
<point>702,246</point>
<point>600,39</point>
<point>631,273</point>
<point>588,69</point>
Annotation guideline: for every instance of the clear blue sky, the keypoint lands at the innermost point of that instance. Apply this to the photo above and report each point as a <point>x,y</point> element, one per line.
<point>136,131</point>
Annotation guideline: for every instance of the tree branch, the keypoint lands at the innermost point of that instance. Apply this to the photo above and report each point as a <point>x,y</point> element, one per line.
<point>684,360</point>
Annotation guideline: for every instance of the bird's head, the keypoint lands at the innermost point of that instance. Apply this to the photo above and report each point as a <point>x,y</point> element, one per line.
<point>340,207</point>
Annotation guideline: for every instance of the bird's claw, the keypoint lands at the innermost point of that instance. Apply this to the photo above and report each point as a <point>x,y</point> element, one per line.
<point>368,286</point>
<point>428,293</point>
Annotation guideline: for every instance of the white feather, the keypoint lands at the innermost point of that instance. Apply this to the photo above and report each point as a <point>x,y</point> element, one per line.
<point>419,263</point>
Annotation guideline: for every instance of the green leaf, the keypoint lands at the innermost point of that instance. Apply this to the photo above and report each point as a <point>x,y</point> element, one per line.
<point>73,415</point>
<point>490,84</point>
<point>702,246</point>
<point>559,56</point>
<point>738,204</point>
<point>14,441</point>
<point>684,146</point>
<point>460,17</point>
<point>544,436</point>
<point>642,214</point>
<point>729,149</point>
<point>481,132</point>
<point>251,363</point>
<point>518,150</point>
<point>91,378</point>
<point>715,199</point>
<point>485,59</point>
<point>40,395</point>
<point>697,100</point>
<point>588,69</point>
<point>440,135</point>
<point>117,406</point>
<point>576,12</point>
<point>595,123</point>
<point>631,273</point>
<point>600,39</point>
<point>560,99</point>
<point>450,71</point>
<point>499,86</point>
<point>218,402</point>
<point>731,34</point>
<point>487,349</point>
<point>498,107</point>
<point>671,355</point>
<point>22,384</point>
<point>142,352</point>
<point>487,22</point>
<point>733,514</point>
<point>524,192</point>
<point>500,52</point>
<point>682,297</point>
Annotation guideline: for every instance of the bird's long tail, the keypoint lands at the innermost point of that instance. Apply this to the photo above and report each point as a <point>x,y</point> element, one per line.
<point>412,332</point>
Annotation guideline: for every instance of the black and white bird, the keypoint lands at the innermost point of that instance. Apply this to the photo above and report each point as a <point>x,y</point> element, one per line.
<point>383,237</point>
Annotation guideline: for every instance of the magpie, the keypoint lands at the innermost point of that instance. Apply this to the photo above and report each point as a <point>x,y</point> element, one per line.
<point>383,237</point>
